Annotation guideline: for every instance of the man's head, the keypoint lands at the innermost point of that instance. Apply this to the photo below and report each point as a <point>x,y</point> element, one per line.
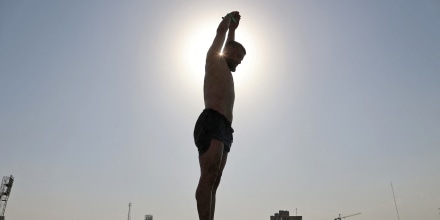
<point>233,54</point>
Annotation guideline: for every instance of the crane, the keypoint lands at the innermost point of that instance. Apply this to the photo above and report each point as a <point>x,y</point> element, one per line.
<point>5,191</point>
<point>340,218</point>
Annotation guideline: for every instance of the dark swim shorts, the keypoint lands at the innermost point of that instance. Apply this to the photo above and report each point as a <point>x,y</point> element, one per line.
<point>211,124</point>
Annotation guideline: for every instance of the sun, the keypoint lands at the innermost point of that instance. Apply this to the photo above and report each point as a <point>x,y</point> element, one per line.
<point>196,44</point>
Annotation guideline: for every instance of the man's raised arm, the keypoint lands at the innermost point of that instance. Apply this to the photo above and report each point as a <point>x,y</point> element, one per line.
<point>220,37</point>
<point>232,26</point>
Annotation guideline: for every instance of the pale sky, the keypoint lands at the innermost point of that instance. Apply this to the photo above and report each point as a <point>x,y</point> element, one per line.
<point>334,101</point>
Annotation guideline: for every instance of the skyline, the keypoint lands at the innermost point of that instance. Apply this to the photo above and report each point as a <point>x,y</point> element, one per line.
<point>334,101</point>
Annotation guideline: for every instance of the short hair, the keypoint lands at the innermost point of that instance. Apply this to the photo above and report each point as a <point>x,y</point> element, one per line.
<point>233,43</point>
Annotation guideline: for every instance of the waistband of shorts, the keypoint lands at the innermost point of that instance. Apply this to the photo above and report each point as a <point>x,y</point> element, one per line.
<point>219,114</point>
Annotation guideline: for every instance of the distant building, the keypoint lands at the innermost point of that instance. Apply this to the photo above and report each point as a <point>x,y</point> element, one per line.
<point>148,217</point>
<point>284,215</point>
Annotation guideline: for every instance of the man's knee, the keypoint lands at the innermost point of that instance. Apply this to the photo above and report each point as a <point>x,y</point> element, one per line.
<point>207,183</point>
<point>217,180</point>
<point>210,177</point>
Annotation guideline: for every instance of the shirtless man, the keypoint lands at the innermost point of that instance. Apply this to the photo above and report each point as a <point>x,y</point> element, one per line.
<point>213,131</point>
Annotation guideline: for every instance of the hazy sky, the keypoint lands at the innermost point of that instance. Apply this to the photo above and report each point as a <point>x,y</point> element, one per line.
<point>335,100</point>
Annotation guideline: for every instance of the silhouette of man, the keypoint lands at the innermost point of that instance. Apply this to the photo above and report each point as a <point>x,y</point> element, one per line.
<point>213,131</point>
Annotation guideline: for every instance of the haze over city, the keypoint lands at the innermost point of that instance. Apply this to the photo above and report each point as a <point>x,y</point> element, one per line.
<point>334,101</point>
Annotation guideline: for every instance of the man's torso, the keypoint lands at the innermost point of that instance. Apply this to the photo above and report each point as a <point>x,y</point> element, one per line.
<point>218,87</point>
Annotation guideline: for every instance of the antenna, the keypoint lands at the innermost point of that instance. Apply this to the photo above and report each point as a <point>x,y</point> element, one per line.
<point>129,210</point>
<point>395,203</point>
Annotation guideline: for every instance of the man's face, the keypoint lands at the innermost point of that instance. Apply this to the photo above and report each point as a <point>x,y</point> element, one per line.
<point>233,57</point>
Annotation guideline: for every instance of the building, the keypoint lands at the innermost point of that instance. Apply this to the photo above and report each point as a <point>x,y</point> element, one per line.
<point>148,217</point>
<point>284,215</point>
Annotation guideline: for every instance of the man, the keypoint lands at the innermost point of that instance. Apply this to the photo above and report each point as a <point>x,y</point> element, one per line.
<point>213,131</point>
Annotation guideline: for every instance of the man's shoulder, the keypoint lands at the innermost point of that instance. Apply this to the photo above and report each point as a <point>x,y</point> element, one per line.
<point>213,56</point>
<point>214,59</point>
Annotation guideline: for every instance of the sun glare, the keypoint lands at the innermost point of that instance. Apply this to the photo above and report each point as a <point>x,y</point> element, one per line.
<point>197,43</point>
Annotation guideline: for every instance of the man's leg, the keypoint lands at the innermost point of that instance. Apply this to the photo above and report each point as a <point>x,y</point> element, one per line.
<point>210,163</point>
<point>217,183</point>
